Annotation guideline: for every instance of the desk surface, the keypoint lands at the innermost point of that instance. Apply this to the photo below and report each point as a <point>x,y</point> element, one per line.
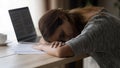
<point>10,60</point>
<point>4,51</point>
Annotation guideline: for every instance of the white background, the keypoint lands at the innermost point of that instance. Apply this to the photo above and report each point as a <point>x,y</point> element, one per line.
<point>36,9</point>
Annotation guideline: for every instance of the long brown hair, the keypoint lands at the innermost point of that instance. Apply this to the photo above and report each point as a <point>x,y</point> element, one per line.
<point>50,21</point>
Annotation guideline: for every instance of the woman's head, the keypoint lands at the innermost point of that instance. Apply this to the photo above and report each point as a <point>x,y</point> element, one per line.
<point>58,25</point>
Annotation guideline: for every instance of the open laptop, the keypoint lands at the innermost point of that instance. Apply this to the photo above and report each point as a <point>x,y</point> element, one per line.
<point>23,25</point>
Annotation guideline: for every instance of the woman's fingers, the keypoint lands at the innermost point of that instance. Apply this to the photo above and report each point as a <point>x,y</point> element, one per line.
<point>52,44</point>
<point>56,44</point>
<point>60,44</point>
<point>63,43</point>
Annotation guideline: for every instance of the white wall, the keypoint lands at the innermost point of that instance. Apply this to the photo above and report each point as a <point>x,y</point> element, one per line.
<point>36,9</point>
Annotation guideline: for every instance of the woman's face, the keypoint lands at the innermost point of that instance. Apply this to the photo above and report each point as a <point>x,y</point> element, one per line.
<point>63,33</point>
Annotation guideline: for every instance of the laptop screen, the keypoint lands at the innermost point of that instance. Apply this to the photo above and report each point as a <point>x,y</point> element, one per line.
<point>23,24</point>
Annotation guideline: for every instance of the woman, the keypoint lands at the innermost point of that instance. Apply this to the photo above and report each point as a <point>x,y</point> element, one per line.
<point>89,30</point>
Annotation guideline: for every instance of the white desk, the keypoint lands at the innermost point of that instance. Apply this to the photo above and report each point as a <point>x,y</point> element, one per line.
<point>31,61</point>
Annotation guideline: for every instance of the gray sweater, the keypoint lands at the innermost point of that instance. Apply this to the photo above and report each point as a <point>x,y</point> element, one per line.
<point>100,39</point>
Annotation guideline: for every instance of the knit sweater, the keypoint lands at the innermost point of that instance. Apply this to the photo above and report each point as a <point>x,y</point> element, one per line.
<point>100,39</point>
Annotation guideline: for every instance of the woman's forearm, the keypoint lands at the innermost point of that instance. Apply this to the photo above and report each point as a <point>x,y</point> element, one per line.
<point>50,51</point>
<point>64,51</point>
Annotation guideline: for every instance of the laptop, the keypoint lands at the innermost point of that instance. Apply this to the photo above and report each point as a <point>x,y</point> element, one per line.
<point>23,25</point>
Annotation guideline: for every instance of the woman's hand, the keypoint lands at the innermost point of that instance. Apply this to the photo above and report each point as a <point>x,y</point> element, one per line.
<point>42,41</point>
<point>54,44</point>
<point>57,49</point>
<point>57,44</point>
<point>38,46</point>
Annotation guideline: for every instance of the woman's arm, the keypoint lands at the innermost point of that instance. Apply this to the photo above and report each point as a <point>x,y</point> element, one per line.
<point>56,49</point>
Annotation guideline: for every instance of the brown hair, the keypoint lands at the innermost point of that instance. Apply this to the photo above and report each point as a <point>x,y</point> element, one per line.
<point>50,21</point>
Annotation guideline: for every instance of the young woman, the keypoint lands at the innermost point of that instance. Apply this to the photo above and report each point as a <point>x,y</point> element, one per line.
<point>89,30</point>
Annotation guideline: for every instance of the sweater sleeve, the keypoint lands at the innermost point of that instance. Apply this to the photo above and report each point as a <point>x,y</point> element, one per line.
<point>90,39</point>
